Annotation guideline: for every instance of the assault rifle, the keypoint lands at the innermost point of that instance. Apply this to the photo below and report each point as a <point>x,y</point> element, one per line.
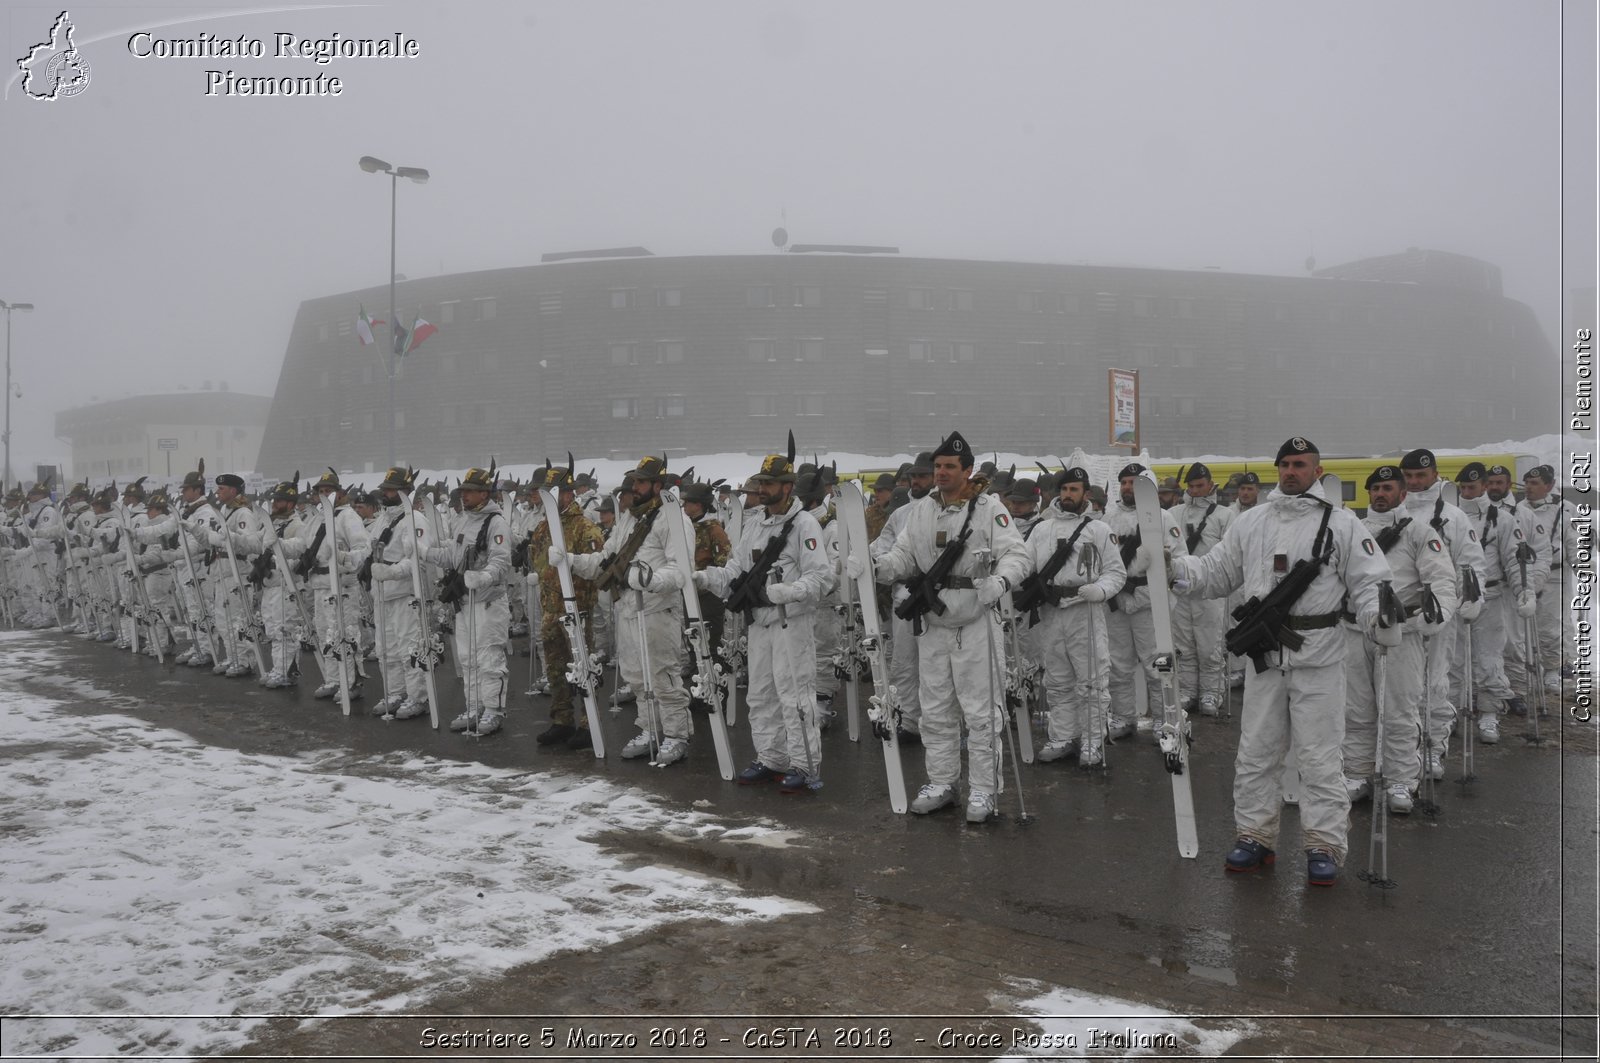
<point>749,589</point>
<point>1263,626</point>
<point>261,568</point>
<point>1391,535</point>
<point>1037,588</point>
<point>924,587</point>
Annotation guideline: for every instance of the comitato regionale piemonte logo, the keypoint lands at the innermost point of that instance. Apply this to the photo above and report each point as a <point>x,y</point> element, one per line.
<point>55,69</point>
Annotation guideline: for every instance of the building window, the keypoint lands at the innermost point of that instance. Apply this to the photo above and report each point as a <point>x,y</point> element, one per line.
<point>1185,406</point>
<point>1143,306</point>
<point>918,350</point>
<point>1183,308</point>
<point>624,354</point>
<point>922,403</point>
<point>447,312</point>
<point>491,361</point>
<point>1234,310</point>
<point>624,409</point>
<point>670,352</point>
<point>666,297</point>
<point>669,406</point>
<point>876,352</point>
<point>807,295</point>
<point>1144,354</point>
<point>1028,301</point>
<point>808,351</point>
<point>809,404</point>
<point>1069,303</point>
<point>763,405</point>
<point>875,296</point>
<point>447,363</point>
<point>960,299</point>
<point>550,304</point>
<point>762,351</point>
<point>486,309</point>
<point>965,352</point>
<point>758,295</point>
<point>920,298</point>
<point>622,298</point>
<point>1030,353</point>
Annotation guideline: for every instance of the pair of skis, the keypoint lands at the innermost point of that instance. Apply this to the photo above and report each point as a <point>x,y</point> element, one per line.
<point>583,671</point>
<point>708,681</point>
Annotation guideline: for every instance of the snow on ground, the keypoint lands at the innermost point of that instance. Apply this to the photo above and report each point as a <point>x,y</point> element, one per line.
<point>1073,1024</point>
<point>149,874</point>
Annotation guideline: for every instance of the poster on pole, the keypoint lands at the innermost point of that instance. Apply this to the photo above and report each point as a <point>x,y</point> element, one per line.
<point>1124,407</point>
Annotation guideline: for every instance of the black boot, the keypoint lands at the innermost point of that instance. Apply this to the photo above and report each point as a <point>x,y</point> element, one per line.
<point>555,733</point>
<point>581,739</point>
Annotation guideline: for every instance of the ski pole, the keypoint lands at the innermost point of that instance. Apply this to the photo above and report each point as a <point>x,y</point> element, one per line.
<point>1389,614</point>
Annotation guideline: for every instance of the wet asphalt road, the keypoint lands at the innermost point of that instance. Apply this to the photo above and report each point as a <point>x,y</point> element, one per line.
<point>1488,940</point>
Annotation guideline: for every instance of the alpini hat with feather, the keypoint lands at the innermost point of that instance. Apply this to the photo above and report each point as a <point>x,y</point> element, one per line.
<point>329,479</point>
<point>650,467</point>
<point>196,478</point>
<point>398,479</point>
<point>777,468</point>
<point>480,479</point>
<point>134,492</point>
<point>558,478</point>
<point>288,490</point>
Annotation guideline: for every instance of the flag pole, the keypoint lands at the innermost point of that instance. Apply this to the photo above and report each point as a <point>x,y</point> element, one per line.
<point>394,317</point>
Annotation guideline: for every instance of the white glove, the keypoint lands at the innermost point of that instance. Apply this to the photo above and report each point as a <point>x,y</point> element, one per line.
<point>1470,611</point>
<point>854,567</point>
<point>383,572</point>
<point>1380,635</point>
<point>783,593</point>
<point>638,577</point>
<point>1182,576</point>
<point>991,588</point>
<point>475,579</point>
<point>344,560</point>
<point>1432,628</point>
<point>1527,604</point>
<point>1092,592</point>
<point>701,580</point>
<point>558,554</point>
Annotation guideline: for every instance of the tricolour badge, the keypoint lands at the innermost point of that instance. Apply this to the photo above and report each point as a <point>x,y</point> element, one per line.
<point>1002,519</point>
<point>1435,546</point>
<point>1369,546</point>
<point>811,544</point>
<point>498,539</point>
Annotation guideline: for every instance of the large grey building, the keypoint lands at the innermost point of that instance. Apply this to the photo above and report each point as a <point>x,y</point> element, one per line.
<point>859,349</point>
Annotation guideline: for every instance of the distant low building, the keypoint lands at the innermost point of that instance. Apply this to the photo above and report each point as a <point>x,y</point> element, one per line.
<point>622,353</point>
<point>164,436</point>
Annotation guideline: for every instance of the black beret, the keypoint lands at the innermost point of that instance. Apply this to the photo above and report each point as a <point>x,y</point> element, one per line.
<point>1385,473</point>
<point>1248,478</point>
<point>1418,459</point>
<point>1297,445</point>
<point>1131,469</point>
<point>1074,475</point>
<point>1499,470</point>
<point>1471,472</point>
<point>228,479</point>
<point>1197,471</point>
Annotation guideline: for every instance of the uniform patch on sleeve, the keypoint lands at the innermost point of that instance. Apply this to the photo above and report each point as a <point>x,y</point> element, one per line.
<point>1472,534</point>
<point>1002,519</point>
<point>1173,531</point>
<point>419,533</point>
<point>499,539</point>
<point>1369,546</point>
<point>1115,539</point>
<point>1435,546</point>
<point>1516,533</point>
<point>811,544</point>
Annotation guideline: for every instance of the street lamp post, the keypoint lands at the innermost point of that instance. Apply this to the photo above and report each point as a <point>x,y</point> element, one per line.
<point>420,176</point>
<point>8,307</point>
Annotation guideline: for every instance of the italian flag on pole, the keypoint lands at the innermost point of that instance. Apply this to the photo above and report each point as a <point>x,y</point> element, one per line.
<point>364,327</point>
<point>420,330</point>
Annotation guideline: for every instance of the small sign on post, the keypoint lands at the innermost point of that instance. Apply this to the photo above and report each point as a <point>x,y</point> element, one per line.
<point>1124,408</point>
<point>166,444</point>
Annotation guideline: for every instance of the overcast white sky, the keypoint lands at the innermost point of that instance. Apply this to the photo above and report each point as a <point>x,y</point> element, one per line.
<point>167,237</point>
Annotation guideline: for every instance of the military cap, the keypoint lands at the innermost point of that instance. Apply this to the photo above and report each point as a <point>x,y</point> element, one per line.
<point>79,490</point>
<point>196,478</point>
<point>988,469</point>
<point>1384,474</point>
<point>1248,478</point>
<point>1498,470</point>
<point>134,492</point>
<point>1296,445</point>
<point>1418,459</point>
<point>329,479</point>
<point>884,482</point>
<point>583,479</point>
<point>751,486</point>
<point>479,479</point>
<point>106,496</point>
<point>955,446</point>
<point>158,500</point>
<point>903,472</point>
<point>1542,473</point>
<point>1198,471</point>
<point>1023,489</point>
<point>922,464</point>
<point>228,479</point>
<point>288,490</point>
<point>724,487</point>
<point>398,479</point>
<point>1133,468</point>
<point>608,504</point>
<point>40,488</point>
<point>1169,485</point>
<point>1471,472</point>
<point>650,468</point>
<point>627,480</point>
<point>1074,475</point>
<point>776,467</point>
<point>698,492</point>
<point>14,494</point>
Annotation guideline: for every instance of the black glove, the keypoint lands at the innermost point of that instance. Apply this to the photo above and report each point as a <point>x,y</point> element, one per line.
<point>452,588</point>
<point>261,568</point>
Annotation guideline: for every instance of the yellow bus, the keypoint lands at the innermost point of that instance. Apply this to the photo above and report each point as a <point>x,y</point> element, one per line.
<point>1353,472</point>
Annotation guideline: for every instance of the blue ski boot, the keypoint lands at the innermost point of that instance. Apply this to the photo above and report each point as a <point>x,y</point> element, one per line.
<point>1248,854</point>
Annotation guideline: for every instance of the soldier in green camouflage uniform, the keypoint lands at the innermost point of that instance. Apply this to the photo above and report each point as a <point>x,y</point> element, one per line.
<point>582,536</point>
